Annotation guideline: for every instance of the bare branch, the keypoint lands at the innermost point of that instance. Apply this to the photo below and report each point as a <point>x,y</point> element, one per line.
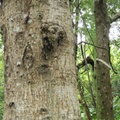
<point>92,45</point>
<point>115,17</point>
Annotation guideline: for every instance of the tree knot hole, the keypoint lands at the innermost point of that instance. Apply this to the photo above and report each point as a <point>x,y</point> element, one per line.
<point>44,68</point>
<point>43,111</point>
<point>11,104</point>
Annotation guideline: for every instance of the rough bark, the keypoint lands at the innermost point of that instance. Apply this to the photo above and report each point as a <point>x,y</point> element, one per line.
<point>103,86</point>
<point>40,73</point>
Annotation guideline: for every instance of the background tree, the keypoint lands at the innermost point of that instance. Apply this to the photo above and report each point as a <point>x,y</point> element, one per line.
<point>88,36</point>
<point>103,85</point>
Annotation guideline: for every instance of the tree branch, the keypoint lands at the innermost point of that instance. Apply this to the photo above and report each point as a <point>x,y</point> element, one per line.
<point>88,60</point>
<point>115,17</point>
<point>92,45</point>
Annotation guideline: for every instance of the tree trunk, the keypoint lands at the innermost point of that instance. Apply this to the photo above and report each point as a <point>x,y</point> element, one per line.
<point>103,86</point>
<point>40,72</point>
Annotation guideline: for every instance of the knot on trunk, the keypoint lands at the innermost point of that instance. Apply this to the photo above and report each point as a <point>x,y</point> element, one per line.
<point>52,37</point>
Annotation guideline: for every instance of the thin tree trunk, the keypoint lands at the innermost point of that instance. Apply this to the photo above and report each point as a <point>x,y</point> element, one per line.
<point>103,86</point>
<point>83,101</point>
<point>40,72</point>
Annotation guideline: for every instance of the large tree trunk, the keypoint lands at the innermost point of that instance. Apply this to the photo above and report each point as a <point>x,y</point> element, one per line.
<point>40,72</point>
<point>103,86</point>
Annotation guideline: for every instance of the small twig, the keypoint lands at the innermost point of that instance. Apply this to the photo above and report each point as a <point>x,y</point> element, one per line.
<point>92,45</point>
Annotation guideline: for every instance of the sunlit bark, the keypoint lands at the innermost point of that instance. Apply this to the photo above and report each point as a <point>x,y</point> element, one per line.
<point>103,85</point>
<point>40,73</point>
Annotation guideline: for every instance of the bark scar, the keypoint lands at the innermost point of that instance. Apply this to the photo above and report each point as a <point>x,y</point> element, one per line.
<point>28,57</point>
<point>53,36</point>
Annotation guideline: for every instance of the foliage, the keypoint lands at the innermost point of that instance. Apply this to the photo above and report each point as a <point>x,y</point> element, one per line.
<point>86,76</point>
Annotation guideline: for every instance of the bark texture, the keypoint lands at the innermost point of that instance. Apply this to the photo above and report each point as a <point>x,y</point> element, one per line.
<point>103,86</point>
<point>40,73</point>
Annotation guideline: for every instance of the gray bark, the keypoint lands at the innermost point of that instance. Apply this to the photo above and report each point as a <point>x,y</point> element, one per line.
<point>40,72</point>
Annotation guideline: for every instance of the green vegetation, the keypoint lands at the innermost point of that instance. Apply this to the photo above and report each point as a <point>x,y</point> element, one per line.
<point>86,44</point>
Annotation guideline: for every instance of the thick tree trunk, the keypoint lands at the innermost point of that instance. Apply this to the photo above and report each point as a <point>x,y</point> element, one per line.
<point>40,72</point>
<point>103,86</point>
